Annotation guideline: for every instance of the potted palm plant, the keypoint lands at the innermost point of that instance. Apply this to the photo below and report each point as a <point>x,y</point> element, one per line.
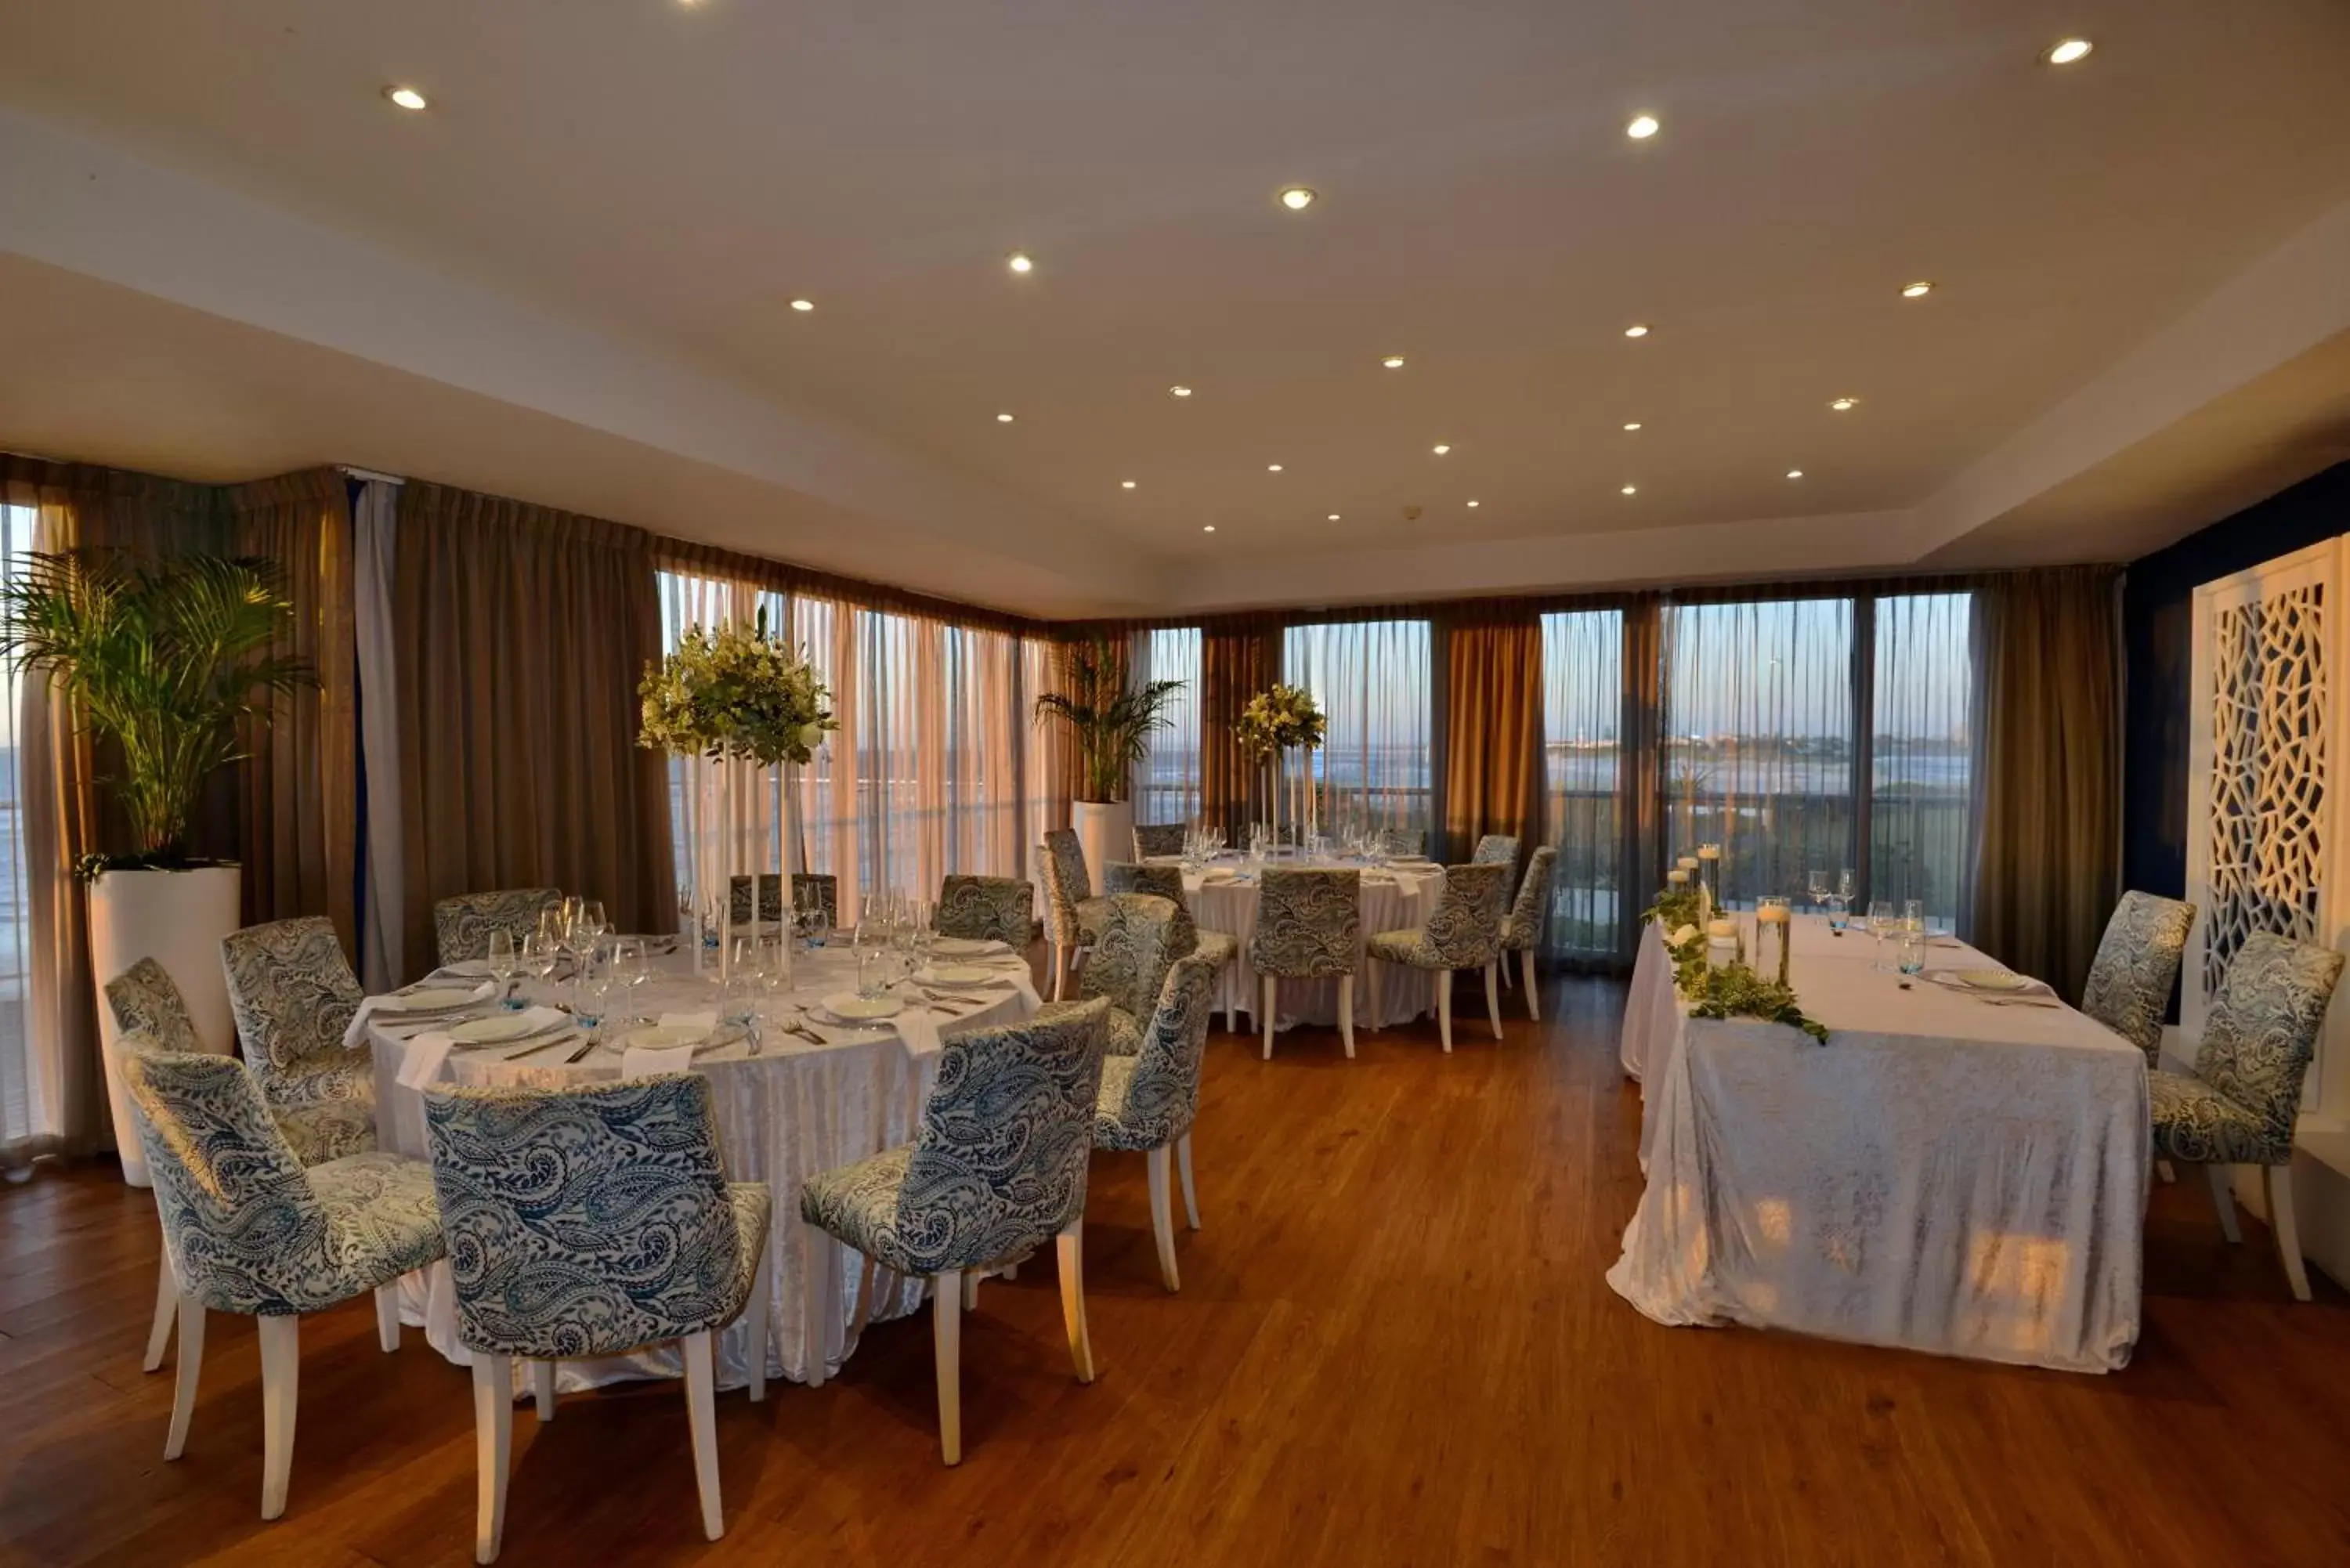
<point>164,659</point>
<point>1112,722</point>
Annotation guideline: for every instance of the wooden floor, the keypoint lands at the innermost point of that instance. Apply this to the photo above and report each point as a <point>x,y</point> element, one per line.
<point>1393,1346</point>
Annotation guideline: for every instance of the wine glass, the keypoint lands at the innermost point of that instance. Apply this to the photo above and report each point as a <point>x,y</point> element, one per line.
<point>1817,886</point>
<point>1845,888</point>
<point>591,991</point>
<point>501,969</point>
<point>631,969</point>
<point>590,923</point>
<point>1880,927</point>
<point>537,959</point>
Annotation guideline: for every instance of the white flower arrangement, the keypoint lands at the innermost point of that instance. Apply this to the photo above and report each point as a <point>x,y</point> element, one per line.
<point>1279,719</point>
<point>734,692</point>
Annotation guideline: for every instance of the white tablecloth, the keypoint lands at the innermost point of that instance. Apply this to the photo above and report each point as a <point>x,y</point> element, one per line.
<point>1944,1174</point>
<point>1392,900</point>
<point>793,1110</point>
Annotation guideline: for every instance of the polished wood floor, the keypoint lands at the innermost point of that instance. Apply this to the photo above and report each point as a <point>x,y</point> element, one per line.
<point>1393,1346</point>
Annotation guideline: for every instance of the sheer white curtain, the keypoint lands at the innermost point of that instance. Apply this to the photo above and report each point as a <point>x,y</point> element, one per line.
<point>1167,780</point>
<point>1584,771</point>
<point>32,1075</point>
<point>1373,680</point>
<point>1921,822</point>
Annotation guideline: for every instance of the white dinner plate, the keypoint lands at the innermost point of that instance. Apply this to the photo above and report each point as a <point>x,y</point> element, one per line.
<point>496,1027</point>
<point>967,947</point>
<point>429,998</point>
<point>1991,978</point>
<point>856,1009</point>
<point>959,976</point>
<point>666,1036</point>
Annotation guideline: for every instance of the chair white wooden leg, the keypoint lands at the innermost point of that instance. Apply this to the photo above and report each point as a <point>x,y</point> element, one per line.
<point>754,1343</point>
<point>819,1303</point>
<point>1060,969</point>
<point>1493,997</point>
<point>2223,1200</point>
<point>281,1381</point>
<point>1184,1168</point>
<point>946,1352</point>
<point>542,1390</point>
<point>387,1316</point>
<point>1072,1245</point>
<point>1444,1008</point>
<point>192,1360</point>
<point>971,1289</point>
<point>493,1448</point>
<point>1163,1213</point>
<point>1534,993</point>
<point>1266,984</point>
<point>1346,1013</point>
<point>701,1415</point>
<point>167,1309</point>
<point>2288,1233</point>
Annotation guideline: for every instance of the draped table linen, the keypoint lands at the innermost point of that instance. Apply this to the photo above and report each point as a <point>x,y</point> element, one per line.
<point>1944,1174</point>
<point>792,1111</point>
<point>1393,899</point>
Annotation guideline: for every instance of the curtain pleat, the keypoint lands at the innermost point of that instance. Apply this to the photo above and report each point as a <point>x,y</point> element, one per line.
<point>523,633</point>
<point>1235,664</point>
<point>1493,750</point>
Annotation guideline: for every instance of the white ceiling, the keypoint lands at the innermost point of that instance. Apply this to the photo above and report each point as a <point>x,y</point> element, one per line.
<point>617,199</point>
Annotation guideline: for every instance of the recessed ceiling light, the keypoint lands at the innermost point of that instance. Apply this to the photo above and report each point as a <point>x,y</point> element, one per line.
<point>1334,517</point>
<point>1441,448</point>
<point>1472,504</point>
<point>1297,198</point>
<point>1207,527</point>
<point>1004,419</point>
<point>1643,126</point>
<point>1844,405</point>
<point>1631,424</point>
<point>803,305</point>
<point>1631,490</point>
<point>405,97</point>
<point>1020,260</point>
<point>1273,468</point>
<point>1918,290</point>
<point>2068,51</point>
<point>1393,361</point>
<point>1637,329</point>
<point>1126,484</point>
<point>1794,474</point>
<point>1178,391</point>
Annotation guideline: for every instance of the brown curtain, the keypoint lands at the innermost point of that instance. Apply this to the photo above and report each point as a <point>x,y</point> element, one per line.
<point>2048,866</point>
<point>1640,783</point>
<point>521,633</point>
<point>299,794</point>
<point>1236,661</point>
<point>1492,733</point>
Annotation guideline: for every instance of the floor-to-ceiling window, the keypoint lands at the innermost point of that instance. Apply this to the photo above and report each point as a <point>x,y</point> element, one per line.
<point>1583,770</point>
<point>1374,682</point>
<point>29,1104</point>
<point>1166,783</point>
<point>1921,821</point>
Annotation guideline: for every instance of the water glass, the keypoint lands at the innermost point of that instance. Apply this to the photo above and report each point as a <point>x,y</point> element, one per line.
<point>537,959</point>
<point>1818,887</point>
<point>630,969</point>
<point>1881,926</point>
<point>1913,914</point>
<point>1846,886</point>
<point>872,971</point>
<point>502,968</point>
<point>1840,913</point>
<point>1910,953</point>
<point>591,991</point>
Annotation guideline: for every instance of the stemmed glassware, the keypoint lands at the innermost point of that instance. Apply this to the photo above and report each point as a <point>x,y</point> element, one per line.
<point>1880,927</point>
<point>591,989</point>
<point>631,969</point>
<point>501,969</point>
<point>537,959</point>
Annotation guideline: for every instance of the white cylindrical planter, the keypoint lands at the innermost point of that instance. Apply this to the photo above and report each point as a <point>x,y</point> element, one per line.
<point>1107,833</point>
<point>177,919</point>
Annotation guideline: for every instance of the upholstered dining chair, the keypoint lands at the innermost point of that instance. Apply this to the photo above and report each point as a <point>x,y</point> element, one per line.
<point>462,926</point>
<point>587,1221</point>
<point>1464,932</point>
<point>987,908</point>
<point>739,898</point>
<point>998,1166</point>
<point>293,995</point>
<point>1499,849</point>
<point>146,1002</point>
<point>1073,915</point>
<point>1158,838</point>
<point>1309,925</point>
<point>2138,962</point>
<point>1142,937</point>
<point>1521,927</point>
<point>2240,1106</point>
<point>252,1230</point>
<point>1167,882</point>
<point>1148,1099</point>
<point>1407,842</point>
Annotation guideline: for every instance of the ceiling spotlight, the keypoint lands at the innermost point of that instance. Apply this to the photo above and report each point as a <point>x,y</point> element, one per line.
<point>1642,126</point>
<point>1393,361</point>
<point>1334,517</point>
<point>1126,484</point>
<point>1440,448</point>
<point>1918,290</point>
<point>1631,490</point>
<point>803,305</point>
<point>1297,198</point>
<point>2071,50</point>
<point>1637,329</point>
<point>1178,391</point>
<point>1844,405</point>
<point>1273,468</point>
<point>1020,260</point>
<point>1631,424</point>
<point>1004,419</point>
<point>1794,474</point>
<point>1207,527</point>
<point>1472,504</point>
<point>405,97</point>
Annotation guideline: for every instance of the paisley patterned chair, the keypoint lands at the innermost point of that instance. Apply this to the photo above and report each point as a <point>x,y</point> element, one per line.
<point>1148,1099</point>
<point>987,908</point>
<point>999,1165</point>
<point>1073,916</point>
<point>252,1230</point>
<point>1521,927</point>
<point>1158,838</point>
<point>146,1002</point>
<point>587,1221</point>
<point>461,925</point>
<point>1407,841</point>
<point>293,995</point>
<point>1309,925</point>
<point>1167,882</point>
<point>1140,939</point>
<point>1465,932</point>
<point>2240,1104</point>
<point>827,893</point>
<point>2135,966</point>
<point>1499,849</point>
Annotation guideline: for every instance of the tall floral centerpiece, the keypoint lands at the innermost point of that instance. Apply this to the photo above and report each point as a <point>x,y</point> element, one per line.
<point>1276,721</point>
<point>733,695</point>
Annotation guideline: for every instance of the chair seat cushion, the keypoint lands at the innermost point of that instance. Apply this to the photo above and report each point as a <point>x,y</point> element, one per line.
<point>327,1112</point>
<point>1405,946</point>
<point>754,1213</point>
<point>1123,1124</point>
<point>381,1220</point>
<point>1219,946</point>
<point>1515,937</point>
<point>1091,914</point>
<point>858,1203</point>
<point>2195,1124</point>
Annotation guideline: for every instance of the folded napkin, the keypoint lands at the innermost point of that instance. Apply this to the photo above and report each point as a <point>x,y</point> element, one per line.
<point>426,1055</point>
<point>392,1004</point>
<point>645,1061</point>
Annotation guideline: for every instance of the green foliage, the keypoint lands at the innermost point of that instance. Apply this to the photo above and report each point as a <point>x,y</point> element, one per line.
<point>1279,719</point>
<point>1734,990</point>
<point>734,692</point>
<point>165,658</point>
<point>1112,721</point>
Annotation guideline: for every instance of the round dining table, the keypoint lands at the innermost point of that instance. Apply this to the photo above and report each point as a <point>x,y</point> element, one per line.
<point>813,1095</point>
<point>1395,897</point>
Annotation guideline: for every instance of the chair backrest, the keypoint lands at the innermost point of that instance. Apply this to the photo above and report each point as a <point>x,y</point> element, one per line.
<point>999,1163</point>
<point>1164,1093</point>
<point>1066,875</point>
<point>583,1221</point>
<point>1465,931</point>
<point>1160,882</point>
<point>1495,849</point>
<point>986,909</point>
<point>145,998</point>
<point>2262,1028</point>
<point>1309,924</point>
<point>1158,838</point>
<point>1406,840</point>
<point>770,889</point>
<point>2136,963</point>
<point>461,925</point>
<point>1140,935</point>
<point>1533,900</point>
<point>245,1227</point>
<point>822,888</point>
<point>292,991</point>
